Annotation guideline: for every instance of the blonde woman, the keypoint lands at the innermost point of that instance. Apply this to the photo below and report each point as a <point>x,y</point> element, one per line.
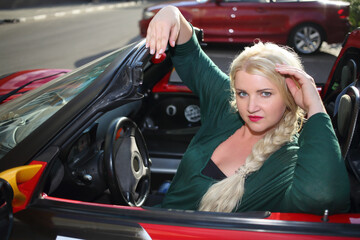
<point>249,153</point>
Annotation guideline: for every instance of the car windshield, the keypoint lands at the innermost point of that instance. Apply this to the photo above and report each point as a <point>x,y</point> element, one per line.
<point>21,116</point>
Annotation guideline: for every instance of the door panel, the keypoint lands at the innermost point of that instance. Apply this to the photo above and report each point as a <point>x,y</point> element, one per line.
<point>171,119</point>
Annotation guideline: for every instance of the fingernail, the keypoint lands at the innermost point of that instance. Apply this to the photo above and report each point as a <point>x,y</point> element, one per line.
<point>157,56</point>
<point>146,45</point>
<point>152,51</point>
<point>173,43</point>
<point>160,52</point>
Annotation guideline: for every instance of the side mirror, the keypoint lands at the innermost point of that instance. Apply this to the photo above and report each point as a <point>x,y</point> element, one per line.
<point>11,196</point>
<point>16,176</point>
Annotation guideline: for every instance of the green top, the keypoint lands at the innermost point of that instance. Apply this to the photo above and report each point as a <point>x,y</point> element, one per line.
<point>307,175</point>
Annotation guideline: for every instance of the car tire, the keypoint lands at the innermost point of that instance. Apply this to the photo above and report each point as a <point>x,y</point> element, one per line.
<point>306,39</point>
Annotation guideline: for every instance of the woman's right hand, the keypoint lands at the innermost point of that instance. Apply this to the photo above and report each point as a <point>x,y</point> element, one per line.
<point>167,26</point>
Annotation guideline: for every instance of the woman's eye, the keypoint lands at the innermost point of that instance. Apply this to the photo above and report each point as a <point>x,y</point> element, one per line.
<point>242,94</point>
<point>266,94</point>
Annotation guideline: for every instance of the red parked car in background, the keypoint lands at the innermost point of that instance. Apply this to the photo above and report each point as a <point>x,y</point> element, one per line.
<point>16,84</point>
<point>303,25</point>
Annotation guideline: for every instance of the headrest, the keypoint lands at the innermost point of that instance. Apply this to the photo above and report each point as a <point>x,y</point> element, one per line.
<point>344,115</point>
<point>346,77</point>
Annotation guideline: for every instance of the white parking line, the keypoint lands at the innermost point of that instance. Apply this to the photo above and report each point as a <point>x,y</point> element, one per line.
<point>77,11</point>
<point>40,17</point>
<point>60,14</point>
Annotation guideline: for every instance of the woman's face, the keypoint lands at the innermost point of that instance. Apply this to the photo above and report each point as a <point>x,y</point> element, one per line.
<point>259,102</point>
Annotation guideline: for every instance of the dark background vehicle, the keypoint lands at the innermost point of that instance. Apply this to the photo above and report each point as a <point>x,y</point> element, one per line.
<point>303,25</point>
<point>63,148</point>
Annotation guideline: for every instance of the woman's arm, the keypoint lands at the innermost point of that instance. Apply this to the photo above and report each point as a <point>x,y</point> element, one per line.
<point>167,26</point>
<point>320,179</point>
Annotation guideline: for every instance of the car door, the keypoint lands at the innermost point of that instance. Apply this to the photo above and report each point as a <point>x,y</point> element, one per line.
<point>243,21</point>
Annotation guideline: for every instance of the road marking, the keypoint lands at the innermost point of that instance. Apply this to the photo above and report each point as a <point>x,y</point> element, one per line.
<point>74,12</point>
<point>40,17</point>
<point>60,14</point>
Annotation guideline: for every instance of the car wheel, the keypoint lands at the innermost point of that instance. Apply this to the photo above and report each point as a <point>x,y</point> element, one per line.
<point>306,39</point>
<point>127,163</point>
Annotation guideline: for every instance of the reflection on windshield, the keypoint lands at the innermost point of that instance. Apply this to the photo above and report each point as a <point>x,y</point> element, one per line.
<point>21,116</point>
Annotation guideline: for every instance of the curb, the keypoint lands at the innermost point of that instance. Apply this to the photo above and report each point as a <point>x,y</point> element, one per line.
<point>63,13</point>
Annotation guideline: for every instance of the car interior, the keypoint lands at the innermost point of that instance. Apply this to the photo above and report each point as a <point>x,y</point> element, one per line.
<point>92,167</point>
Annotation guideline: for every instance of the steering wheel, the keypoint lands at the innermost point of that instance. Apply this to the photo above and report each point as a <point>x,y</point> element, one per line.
<point>127,163</point>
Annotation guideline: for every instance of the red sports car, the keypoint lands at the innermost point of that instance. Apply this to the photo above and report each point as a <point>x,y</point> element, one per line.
<point>303,25</point>
<point>74,159</point>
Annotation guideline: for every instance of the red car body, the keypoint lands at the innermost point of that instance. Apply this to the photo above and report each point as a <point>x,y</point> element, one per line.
<point>16,84</point>
<point>276,21</point>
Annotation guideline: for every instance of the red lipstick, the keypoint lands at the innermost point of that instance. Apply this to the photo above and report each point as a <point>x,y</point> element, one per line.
<point>255,118</point>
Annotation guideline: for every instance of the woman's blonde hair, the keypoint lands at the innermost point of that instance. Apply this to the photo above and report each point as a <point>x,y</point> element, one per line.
<point>260,59</point>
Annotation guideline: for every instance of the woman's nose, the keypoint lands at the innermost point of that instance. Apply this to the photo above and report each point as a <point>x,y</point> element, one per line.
<point>253,105</point>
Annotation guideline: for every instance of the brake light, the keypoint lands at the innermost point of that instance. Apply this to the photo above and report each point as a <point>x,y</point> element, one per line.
<point>343,13</point>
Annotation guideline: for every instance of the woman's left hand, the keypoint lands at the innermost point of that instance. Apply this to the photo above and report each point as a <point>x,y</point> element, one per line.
<point>303,88</point>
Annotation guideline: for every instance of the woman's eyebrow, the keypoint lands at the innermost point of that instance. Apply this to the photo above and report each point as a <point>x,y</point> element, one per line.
<point>260,90</point>
<point>239,89</point>
<point>265,89</point>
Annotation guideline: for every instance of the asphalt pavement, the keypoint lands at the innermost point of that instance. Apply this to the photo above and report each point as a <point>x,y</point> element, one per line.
<point>8,16</point>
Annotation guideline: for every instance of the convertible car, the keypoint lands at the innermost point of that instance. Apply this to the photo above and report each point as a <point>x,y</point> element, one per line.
<point>89,154</point>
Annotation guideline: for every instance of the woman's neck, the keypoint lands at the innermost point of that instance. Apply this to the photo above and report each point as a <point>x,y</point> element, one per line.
<point>251,136</point>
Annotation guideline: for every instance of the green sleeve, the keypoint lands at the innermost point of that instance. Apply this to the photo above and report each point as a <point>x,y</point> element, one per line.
<point>320,179</point>
<point>202,76</point>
